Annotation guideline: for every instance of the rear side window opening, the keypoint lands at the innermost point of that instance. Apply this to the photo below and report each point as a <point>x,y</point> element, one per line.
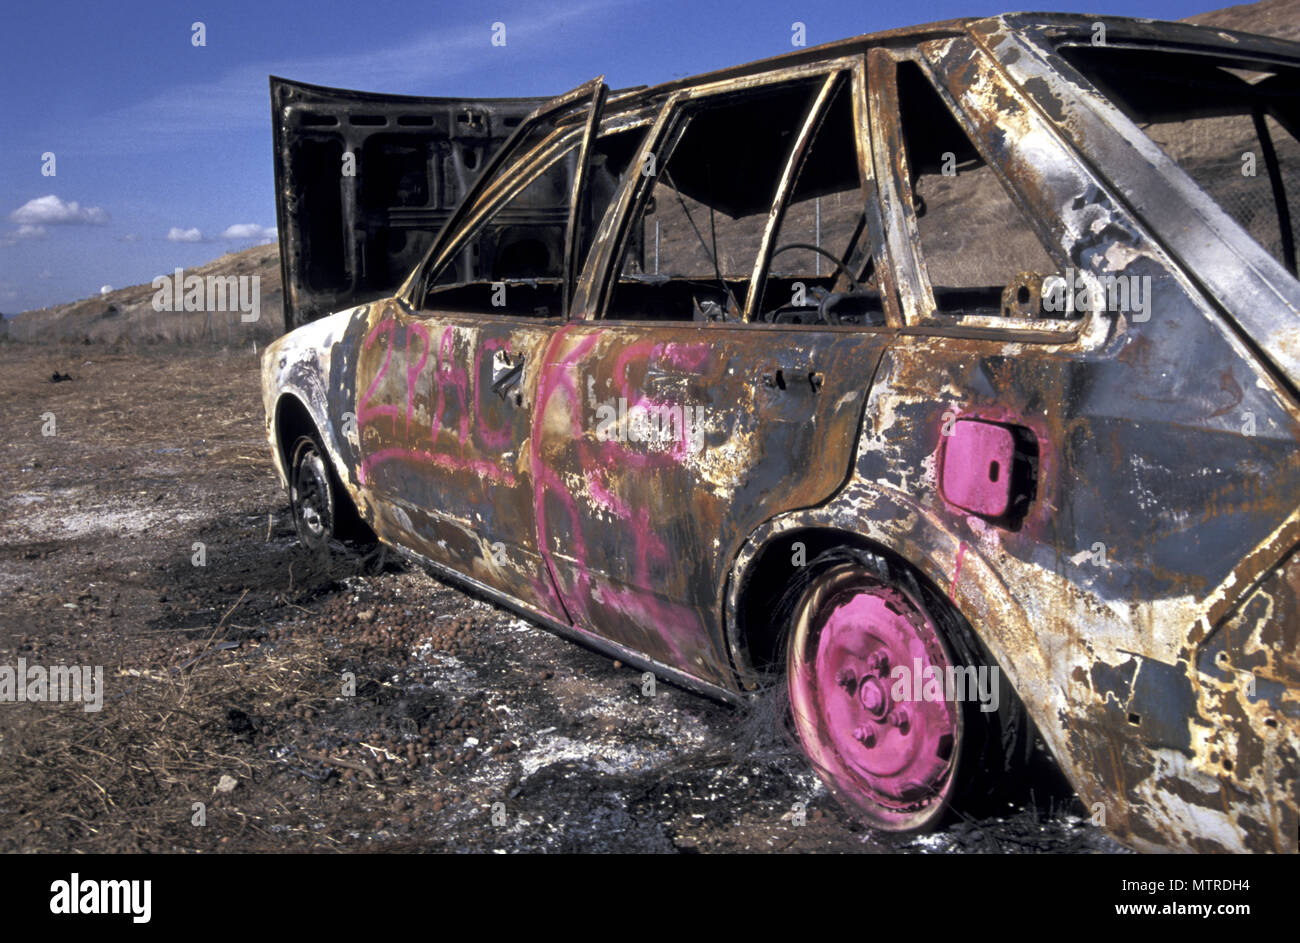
<point>694,244</point>
<point>979,251</point>
<point>1232,126</point>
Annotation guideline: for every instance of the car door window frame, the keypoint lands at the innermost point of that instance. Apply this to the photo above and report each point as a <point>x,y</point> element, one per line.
<point>574,117</point>
<point>596,290</point>
<point>522,176</point>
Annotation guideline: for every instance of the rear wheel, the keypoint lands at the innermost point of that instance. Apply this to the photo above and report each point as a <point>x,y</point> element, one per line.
<point>868,645</point>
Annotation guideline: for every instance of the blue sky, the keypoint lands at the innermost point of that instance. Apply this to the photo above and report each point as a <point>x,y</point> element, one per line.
<point>157,140</point>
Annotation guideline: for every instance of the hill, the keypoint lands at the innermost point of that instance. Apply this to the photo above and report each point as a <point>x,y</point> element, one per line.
<point>128,314</point>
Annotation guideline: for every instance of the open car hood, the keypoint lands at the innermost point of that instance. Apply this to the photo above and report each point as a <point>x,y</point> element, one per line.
<point>363,183</point>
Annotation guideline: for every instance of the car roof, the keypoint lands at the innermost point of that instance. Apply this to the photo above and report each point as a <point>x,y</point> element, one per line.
<point>1055,26</point>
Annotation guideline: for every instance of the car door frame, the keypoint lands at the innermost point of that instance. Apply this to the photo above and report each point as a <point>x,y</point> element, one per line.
<point>501,562</point>
<point>482,199</point>
<point>710,655</point>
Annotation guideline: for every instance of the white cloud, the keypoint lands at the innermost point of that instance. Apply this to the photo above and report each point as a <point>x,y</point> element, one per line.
<point>105,289</point>
<point>250,231</point>
<point>50,210</point>
<point>175,234</point>
<point>15,236</point>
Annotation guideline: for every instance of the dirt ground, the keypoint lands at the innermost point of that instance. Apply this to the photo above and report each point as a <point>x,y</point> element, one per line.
<point>469,730</point>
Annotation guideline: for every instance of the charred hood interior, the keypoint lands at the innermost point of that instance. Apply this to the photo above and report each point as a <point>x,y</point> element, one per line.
<point>352,229</point>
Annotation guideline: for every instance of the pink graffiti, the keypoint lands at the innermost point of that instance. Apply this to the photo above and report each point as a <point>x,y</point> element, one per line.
<point>483,467</point>
<point>555,375</point>
<point>365,411</point>
<point>493,438</point>
<point>447,377</point>
<point>450,375</point>
<point>677,626</point>
<point>681,356</point>
<point>416,330</point>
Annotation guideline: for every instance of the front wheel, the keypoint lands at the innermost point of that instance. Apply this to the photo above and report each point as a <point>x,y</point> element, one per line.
<point>311,494</point>
<point>870,668</point>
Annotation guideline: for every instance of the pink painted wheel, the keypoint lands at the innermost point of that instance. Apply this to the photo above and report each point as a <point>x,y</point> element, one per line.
<point>860,658</point>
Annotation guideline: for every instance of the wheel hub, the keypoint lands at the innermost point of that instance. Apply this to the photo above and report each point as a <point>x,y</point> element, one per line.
<point>870,686</point>
<point>875,700</point>
<point>311,496</point>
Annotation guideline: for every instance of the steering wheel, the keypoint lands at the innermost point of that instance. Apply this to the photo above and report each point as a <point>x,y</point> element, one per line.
<point>822,313</point>
<point>839,266</point>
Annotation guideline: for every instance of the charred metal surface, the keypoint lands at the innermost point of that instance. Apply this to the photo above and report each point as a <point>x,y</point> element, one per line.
<point>639,537</point>
<point>1136,573</point>
<point>353,233</point>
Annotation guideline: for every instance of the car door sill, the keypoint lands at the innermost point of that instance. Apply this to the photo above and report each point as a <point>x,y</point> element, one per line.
<point>573,633</point>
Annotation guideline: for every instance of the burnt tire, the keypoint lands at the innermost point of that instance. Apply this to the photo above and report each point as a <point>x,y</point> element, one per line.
<point>321,508</point>
<point>897,763</point>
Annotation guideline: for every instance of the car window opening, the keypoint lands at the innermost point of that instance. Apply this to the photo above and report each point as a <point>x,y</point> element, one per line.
<point>611,162</point>
<point>722,174</point>
<point>821,268</point>
<point>513,262</point>
<point>981,253</point>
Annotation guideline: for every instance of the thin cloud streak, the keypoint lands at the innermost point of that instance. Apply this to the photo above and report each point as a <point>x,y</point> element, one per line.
<point>238,101</point>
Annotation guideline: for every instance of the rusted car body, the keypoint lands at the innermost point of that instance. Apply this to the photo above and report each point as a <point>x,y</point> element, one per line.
<point>1060,405</point>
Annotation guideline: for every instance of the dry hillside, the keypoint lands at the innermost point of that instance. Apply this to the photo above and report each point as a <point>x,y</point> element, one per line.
<point>128,313</point>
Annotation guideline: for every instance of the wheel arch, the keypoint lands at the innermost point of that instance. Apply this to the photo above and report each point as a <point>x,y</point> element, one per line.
<point>291,419</point>
<point>888,524</point>
<point>295,416</point>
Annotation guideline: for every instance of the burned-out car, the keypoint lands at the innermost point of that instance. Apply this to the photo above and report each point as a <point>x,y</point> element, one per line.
<point>947,375</point>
